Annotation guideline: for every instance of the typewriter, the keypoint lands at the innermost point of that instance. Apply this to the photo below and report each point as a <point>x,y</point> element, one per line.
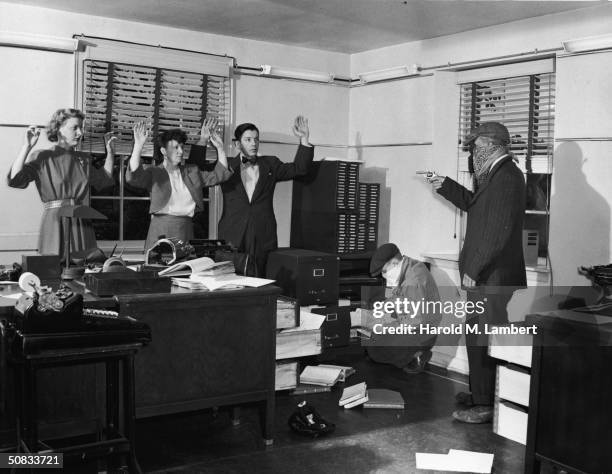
<point>47,319</point>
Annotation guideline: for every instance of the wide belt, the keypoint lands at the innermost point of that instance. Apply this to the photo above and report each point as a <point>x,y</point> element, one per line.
<point>58,203</point>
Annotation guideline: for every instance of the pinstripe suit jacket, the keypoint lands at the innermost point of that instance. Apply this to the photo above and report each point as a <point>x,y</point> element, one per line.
<point>492,252</point>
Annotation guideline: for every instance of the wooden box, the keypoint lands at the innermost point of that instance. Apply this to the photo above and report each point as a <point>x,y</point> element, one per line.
<point>45,267</point>
<point>126,283</point>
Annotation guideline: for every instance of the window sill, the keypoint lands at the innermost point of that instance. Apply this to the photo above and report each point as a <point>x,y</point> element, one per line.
<point>453,258</point>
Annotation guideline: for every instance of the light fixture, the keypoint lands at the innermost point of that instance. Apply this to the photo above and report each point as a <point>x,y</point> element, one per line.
<point>591,43</point>
<point>303,74</point>
<point>390,73</point>
<point>34,41</point>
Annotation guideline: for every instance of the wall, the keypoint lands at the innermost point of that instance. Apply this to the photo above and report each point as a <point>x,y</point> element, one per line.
<point>581,193</point>
<point>426,110</point>
<point>39,82</point>
<point>423,110</point>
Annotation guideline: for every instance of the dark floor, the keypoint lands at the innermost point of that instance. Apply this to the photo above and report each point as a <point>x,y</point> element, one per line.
<point>365,440</point>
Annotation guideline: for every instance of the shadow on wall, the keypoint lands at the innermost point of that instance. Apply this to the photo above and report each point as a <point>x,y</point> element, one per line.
<point>580,217</point>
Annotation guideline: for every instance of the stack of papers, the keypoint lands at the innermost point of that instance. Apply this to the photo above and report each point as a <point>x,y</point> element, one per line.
<point>317,375</point>
<point>202,282</point>
<point>456,461</point>
<point>203,265</point>
<point>354,395</point>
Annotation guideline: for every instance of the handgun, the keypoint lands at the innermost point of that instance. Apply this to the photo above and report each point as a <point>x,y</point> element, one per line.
<point>428,174</point>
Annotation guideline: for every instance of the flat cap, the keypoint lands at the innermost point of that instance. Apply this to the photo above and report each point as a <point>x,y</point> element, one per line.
<point>382,255</point>
<point>490,130</point>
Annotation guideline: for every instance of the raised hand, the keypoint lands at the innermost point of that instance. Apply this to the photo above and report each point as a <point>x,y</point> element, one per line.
<point>300,127</point>
<point>141,133</point>
<point>216,139</point>
<point>209,126</point>
<point>109,142</point>
<point>31,136</point>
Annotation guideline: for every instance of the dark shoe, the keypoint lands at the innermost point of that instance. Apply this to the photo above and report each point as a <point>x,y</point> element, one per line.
<point>464,398</point>
<point>418,363</point>
<point>476,414</point>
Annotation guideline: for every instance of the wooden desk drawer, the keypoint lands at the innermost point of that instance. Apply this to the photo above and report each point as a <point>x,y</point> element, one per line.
<point>286,375</point>
<point>510,421</point>
<point>500,348</point>
<point>512,384</point>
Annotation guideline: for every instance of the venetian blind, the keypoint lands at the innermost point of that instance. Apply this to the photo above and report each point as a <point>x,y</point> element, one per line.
<point>525,105</point>
<point>118,95</point>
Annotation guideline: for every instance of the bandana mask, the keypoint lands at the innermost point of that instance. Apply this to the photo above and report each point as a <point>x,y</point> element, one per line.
<point>482,157</point>
<point>392,276</point>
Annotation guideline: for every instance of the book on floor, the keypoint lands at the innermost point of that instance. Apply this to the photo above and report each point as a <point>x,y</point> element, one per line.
<point>353,393</point>
<point>345,371</point>
<point>359,401</point>
<point>384,398</point>
<point>305,389</point>
<point>317,375</point>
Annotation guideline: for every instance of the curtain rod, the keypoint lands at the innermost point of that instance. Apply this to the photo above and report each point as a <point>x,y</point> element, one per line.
<point>535,54</point>
<point>462,65</point>
<point>372,145</point>
<point>584,139</point>
<point>20,125</point>
<point>83,35</point>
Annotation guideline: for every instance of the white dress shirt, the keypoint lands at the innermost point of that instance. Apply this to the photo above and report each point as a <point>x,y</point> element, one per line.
<point>180,203</point>
<point>249,173</point>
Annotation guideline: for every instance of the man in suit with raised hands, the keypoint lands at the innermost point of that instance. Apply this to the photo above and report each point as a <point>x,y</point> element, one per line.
<point>248,222</point>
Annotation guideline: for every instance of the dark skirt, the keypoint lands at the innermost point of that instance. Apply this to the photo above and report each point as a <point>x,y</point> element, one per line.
<point>180,227</point>
<point>51,235</point>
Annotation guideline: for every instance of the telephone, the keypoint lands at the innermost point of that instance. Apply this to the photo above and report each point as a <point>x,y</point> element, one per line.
<point>42,309</point>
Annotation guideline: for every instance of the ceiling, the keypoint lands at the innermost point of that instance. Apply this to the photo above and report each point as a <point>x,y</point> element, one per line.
<point>347,26</point>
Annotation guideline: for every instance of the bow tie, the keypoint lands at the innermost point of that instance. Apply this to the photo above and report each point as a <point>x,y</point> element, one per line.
<point>246,160</point>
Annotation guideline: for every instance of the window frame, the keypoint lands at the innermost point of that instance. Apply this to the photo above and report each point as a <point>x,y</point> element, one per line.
<point>167,59</point>
<point>544,70</point>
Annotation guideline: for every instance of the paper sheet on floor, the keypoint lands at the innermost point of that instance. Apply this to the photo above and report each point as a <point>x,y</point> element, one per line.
<point>456,461</point>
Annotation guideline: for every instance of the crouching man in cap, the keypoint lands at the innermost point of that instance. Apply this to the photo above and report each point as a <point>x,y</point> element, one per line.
<point>407,281</point>
<point>491,262</point>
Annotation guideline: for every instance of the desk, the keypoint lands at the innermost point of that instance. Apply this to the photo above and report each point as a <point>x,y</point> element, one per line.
<point>118,435</point>
<point>570,400</point>
<point>209,349</point>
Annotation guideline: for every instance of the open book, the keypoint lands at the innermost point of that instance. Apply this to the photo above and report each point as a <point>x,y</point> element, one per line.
<point>203,265</point>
